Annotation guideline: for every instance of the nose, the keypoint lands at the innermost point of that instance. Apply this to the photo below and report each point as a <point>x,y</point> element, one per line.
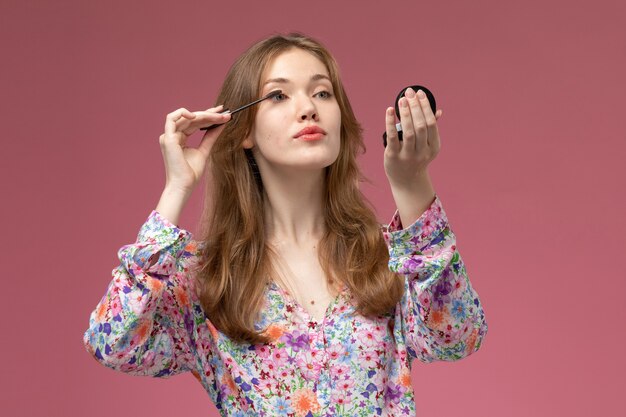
<point>307,109</point>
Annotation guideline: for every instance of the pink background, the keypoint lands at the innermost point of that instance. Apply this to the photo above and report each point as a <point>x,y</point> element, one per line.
<point>531,174</point>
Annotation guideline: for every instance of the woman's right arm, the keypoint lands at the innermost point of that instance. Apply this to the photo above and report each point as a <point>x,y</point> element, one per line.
<point>144,324</point>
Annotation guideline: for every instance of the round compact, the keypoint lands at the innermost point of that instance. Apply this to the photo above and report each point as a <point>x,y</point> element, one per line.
<point>431,100</point>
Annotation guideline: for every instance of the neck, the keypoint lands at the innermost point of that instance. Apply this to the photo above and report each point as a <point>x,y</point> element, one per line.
<point>293,206</point>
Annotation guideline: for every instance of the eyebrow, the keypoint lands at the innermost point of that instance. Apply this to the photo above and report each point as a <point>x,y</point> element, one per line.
<point>315,77</point>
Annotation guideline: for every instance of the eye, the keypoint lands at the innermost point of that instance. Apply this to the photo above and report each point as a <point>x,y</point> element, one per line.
<point>325,94</point>
<point>279,97</point>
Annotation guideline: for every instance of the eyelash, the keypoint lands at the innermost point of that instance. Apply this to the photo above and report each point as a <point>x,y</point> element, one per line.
<point>283,94</point>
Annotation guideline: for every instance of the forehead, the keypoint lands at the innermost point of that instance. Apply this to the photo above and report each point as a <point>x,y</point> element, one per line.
<point>294,64</point>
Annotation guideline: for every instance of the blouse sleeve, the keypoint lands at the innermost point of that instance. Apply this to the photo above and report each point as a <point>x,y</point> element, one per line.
<point>441,316</point>
<point>144,323</point>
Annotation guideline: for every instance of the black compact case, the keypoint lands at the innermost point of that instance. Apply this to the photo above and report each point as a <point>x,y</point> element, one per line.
<point>431,100</point>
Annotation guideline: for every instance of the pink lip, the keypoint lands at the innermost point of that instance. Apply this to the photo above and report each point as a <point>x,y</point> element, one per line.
<point>311,133</point>
<point>310,137</point>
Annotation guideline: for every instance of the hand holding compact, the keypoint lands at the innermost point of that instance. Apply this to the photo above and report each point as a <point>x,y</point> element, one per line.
<point>406,160</point>
<point>184,165</point>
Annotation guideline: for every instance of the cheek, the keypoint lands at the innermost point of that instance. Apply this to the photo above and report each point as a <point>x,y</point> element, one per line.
<point>337,121</point>
<point>337,149</point>
<point>269,144</point>
<point>272,128</point>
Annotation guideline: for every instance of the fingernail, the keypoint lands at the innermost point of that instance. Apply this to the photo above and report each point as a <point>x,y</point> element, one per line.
<point>403,102</point>
<point>421,94</point>
<point>409,93</point>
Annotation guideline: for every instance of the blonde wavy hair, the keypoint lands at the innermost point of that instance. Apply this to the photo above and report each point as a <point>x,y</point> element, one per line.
<point>236,262</point>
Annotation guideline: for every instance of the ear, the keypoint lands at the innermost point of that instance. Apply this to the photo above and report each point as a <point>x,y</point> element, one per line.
<point>247,143</point>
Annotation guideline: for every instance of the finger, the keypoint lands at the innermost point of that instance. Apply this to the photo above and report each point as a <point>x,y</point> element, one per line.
<point>431,120</point>
<point>203,118</point>
<point>212,115</point>
<point>438,114</point>
<point>170,119</point>
<point>216,108</point>
<point>393,144</point>
<point>208,140</point>
<point>408,132</point>
<point>419,120</point>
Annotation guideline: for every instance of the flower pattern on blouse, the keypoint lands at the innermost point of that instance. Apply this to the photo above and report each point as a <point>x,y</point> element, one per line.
<point>149,322</point>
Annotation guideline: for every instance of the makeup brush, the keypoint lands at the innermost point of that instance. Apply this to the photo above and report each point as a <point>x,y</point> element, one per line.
<point>270,95</point>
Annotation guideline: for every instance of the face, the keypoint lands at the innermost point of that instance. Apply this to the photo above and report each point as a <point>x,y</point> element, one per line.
<point>308,100</point>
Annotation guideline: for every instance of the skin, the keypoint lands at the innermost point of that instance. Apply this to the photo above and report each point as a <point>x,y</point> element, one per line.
<point>184,165</point>
<point>406,162</point>
<point>292,169</point>
<point>304,102</point>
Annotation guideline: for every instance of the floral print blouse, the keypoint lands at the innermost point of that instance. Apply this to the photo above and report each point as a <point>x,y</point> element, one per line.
<point>150,323</point>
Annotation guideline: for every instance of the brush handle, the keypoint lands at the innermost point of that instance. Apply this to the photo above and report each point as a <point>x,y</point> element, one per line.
<point>245,106</point>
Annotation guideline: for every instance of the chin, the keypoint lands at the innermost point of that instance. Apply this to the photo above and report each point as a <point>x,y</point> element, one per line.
<point>310,167</point>
<point>315,163</point>
<point>309,160</point>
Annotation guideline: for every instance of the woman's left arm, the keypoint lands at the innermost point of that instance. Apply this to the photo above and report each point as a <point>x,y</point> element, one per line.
<point>440,314</point>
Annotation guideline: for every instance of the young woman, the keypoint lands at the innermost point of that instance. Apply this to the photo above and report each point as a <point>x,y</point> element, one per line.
<point>295,300</point>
